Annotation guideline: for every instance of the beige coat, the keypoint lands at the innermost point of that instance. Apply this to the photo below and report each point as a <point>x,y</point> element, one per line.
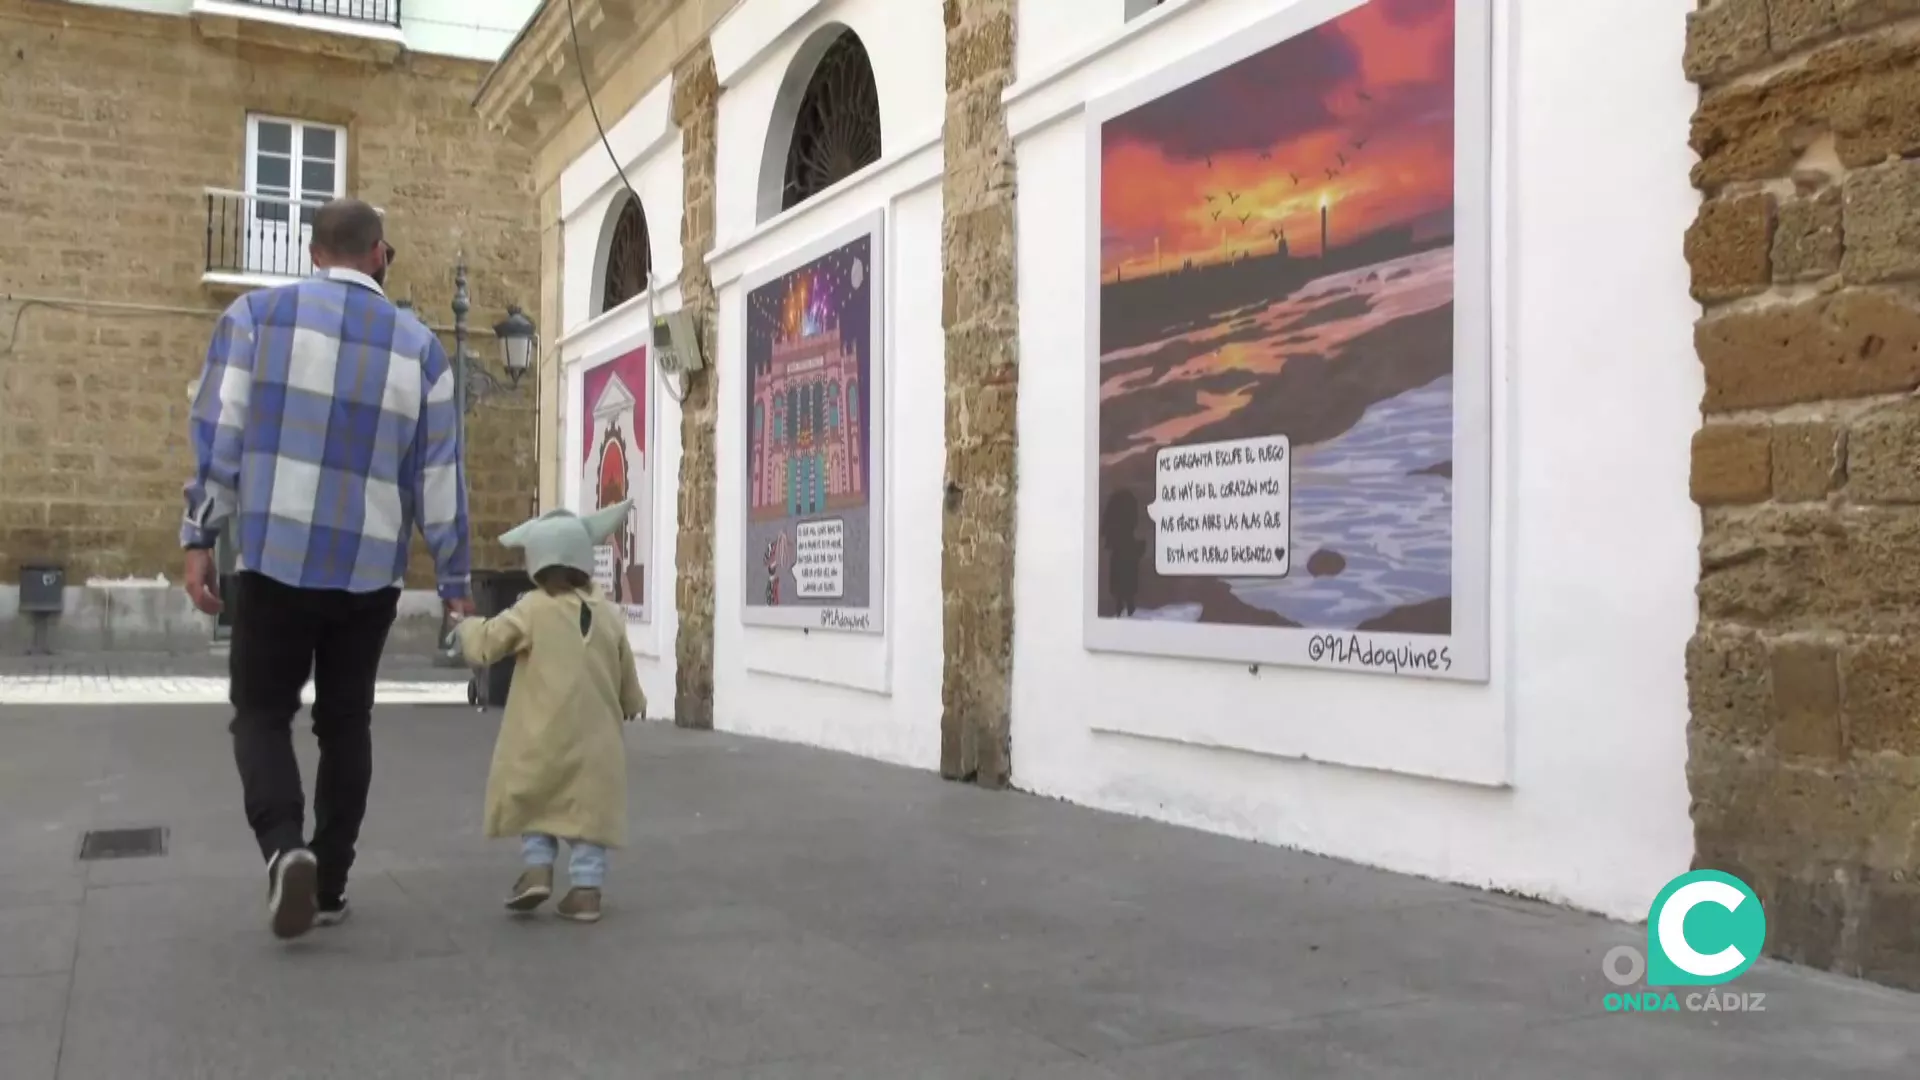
<point>560,764</point>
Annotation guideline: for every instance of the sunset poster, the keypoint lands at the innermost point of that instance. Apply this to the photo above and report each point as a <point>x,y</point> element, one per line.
<point>814,528</point>
<point>1289,391</point>
<point>614,465</point>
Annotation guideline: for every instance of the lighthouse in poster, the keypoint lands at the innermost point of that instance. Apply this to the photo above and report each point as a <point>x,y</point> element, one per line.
<point>615,467</point>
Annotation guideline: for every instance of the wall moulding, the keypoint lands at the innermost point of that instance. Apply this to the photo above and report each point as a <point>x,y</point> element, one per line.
<point>639,137</point>
<point>914,168</point>
<point>629,317</point>
<point>755,29</point>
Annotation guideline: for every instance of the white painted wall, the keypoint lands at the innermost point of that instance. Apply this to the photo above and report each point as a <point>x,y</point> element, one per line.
<point>475,29</point>
<point>1594,536</point>
<point>876,695</point>
<point>648,148</point>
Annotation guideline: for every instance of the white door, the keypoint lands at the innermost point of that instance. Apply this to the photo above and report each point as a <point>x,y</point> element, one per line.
<point>292,167</point>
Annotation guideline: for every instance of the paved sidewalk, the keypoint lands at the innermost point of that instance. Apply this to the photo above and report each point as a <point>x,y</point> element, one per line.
<point>789,913</point>
<point>149,678</point>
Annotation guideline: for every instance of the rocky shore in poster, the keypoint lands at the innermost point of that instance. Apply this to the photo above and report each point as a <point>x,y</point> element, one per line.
<point>1196,386</point>
<point>1276,443</point>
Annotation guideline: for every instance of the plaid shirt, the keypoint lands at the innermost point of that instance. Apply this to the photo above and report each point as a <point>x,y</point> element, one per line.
<point>324,426</point>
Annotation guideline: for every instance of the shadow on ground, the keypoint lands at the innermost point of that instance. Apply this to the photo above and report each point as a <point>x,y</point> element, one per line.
<point>783,912</point>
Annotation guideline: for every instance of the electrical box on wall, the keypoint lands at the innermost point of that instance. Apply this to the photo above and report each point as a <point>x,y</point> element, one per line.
<point>676,344</point>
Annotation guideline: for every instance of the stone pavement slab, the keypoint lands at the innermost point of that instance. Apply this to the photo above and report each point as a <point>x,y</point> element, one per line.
<point>201,679</point>
<point>783,912</point>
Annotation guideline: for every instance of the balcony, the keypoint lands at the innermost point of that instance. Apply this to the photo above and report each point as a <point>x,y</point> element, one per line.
<point>382,12</point>
<point>342,27</point>
<point>257,241</point>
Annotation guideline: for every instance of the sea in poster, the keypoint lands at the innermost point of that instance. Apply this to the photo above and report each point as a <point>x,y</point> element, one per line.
<point>1276,396</point>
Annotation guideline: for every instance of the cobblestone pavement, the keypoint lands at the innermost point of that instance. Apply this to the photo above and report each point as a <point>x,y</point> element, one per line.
<point>125,679</point>
<point>787,913</point>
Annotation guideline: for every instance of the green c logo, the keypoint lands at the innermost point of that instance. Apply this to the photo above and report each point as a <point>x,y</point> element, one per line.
<point>1705,928</point>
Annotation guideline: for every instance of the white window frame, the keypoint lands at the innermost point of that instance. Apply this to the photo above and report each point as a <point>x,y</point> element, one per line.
<point>298,129</point>
<point>279,247</point>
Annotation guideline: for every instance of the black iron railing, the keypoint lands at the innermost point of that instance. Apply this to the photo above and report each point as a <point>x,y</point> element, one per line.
<point>385,12</point>
<point>258,234</point>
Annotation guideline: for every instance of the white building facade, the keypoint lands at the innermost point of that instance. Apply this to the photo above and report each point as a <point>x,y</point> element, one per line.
<point>469,29</point>
<point>1472,669</point>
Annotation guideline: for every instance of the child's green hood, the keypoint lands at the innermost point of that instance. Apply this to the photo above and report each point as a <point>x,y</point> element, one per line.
<point>564,538</point>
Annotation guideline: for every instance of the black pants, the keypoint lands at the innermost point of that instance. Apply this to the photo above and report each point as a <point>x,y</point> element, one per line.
<point>281,635</point>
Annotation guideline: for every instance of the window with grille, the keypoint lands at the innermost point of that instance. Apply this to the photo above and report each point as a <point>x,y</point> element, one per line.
<point>837,130</point>
<point>629,256</point>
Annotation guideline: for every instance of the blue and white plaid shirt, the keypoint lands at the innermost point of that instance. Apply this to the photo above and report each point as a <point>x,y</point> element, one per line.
<point>324,426</point>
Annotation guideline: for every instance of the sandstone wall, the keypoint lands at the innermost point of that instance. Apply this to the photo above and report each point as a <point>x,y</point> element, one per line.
<point>1805,674</point>
<point>696,112</point>
<point>980,313</point>
<point>111,124</point>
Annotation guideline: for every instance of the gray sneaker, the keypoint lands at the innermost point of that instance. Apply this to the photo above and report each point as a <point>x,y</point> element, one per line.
<point>291,904</point>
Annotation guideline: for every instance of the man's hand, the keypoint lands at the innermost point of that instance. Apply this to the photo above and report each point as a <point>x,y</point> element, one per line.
<point>458,609</point>
<point>203,581</point>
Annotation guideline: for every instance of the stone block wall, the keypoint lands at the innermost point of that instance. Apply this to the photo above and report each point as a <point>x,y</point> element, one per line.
<point>696,112</point>
<point>980,314</point>
<point>114,124</point>
<point>1804,676</point>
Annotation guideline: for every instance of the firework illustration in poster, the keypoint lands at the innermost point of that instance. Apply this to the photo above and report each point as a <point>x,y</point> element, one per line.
<point>615,466</point>
<point>1289,395</point>
<point>813,537</point>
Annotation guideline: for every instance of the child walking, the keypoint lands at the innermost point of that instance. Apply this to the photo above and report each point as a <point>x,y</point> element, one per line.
<point>560,766</point>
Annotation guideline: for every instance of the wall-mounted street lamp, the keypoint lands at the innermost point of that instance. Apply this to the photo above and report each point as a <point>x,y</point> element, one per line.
<point>519,342</point>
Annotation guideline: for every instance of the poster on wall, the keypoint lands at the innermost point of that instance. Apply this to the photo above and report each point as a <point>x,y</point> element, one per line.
<point>814,522</point>
<point>1289,386</point>
<point>615,465</point>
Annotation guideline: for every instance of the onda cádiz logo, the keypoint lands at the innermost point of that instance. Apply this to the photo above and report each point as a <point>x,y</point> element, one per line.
<point>1705,929</point>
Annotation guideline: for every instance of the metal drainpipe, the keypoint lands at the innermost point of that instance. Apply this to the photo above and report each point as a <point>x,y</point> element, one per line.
<point>461,305</point>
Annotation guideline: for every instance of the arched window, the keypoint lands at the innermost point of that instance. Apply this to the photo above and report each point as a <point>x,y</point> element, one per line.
<point>629,256</point>
<point>826,126</point>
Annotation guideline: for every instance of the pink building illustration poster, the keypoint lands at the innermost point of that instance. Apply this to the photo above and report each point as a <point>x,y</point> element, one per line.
<point>614,466</point>
<point>812,526</point>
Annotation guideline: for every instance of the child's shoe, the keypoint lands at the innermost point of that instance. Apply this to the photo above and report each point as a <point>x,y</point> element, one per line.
<point>532,889</point>
<point>580,905</point>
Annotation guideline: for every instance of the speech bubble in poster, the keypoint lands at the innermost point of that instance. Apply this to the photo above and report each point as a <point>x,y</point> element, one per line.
<point>1224,509</point>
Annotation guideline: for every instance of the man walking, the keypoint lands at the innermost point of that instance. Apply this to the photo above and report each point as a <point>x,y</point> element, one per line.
<point>323,431</point>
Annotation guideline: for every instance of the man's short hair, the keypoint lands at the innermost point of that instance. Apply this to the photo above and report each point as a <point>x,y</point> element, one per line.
<point>347,227</point>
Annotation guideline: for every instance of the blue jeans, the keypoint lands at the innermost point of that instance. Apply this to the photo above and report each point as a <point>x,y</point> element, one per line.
<point>586,863</point>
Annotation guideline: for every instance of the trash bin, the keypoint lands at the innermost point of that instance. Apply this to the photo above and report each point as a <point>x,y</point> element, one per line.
<point>43,588</point>
<point>494,591</point>
<point>43,594</point>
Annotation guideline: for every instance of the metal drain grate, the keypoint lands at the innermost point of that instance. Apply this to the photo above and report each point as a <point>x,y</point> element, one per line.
<point>123,843</point>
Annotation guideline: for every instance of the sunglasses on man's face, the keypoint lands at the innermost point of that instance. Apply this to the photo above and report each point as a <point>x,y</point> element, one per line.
<point>389,251</point>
